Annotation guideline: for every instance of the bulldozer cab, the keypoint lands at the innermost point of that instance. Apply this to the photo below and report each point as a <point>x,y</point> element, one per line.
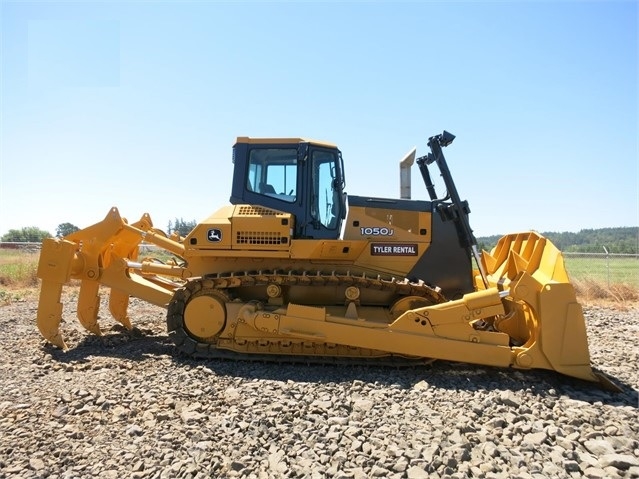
<point>292,175</point>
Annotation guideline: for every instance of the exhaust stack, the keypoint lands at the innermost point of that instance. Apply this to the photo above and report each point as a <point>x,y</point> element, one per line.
<point>404,174</point>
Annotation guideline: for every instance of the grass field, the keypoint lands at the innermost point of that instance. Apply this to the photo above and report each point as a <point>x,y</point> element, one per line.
<point>18,268</point>
<point>17,274</point>
<point>612,270</point>
<point>615,278</point>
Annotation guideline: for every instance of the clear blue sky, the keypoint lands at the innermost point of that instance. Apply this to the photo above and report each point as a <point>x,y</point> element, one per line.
<point>137,104</point>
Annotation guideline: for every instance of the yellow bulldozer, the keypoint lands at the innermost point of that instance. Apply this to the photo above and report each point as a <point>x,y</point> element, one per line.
<point>294,267</point>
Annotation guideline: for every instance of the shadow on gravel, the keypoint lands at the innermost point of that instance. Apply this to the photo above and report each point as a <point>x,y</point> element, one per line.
<point>440,374</point>
<point>118,342</point>
<point>143,345</point>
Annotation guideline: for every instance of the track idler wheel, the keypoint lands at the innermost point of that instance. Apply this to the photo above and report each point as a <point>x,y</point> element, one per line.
<point>205,315</point>
<point>196,315</point>
<point>409,303</point>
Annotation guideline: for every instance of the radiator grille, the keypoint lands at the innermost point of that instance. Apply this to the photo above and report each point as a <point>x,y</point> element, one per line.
<point>248,210</point>
<point>258,237</point>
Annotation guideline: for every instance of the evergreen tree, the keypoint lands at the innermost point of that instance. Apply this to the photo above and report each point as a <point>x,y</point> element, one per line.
<point>65,229</point>
<point>621,240</point>
<point>182,227</point>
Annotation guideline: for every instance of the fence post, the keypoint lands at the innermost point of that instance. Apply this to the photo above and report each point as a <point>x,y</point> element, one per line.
<point>607,266</point>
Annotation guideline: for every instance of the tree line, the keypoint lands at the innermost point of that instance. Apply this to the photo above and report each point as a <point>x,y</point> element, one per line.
<point>622,240</point>
<point>33,234</point>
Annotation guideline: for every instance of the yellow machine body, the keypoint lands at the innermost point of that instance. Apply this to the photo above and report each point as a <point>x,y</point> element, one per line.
<point>249,281</point>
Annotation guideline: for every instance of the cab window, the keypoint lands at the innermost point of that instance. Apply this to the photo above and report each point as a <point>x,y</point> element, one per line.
<point>273,172</point>
<point>325,201</point>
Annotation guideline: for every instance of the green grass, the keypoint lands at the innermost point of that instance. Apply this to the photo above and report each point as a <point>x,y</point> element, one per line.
<point>608,271</point>
<point>18,278</point>
<point>18,268</point>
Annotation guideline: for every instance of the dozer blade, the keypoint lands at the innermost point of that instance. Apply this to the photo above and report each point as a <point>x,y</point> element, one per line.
<point>543,315</point>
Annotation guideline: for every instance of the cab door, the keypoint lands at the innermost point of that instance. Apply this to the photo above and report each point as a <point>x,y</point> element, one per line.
<point>324,190</point>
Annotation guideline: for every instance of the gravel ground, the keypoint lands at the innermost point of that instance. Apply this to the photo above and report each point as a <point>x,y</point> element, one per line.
<point>123,406</point>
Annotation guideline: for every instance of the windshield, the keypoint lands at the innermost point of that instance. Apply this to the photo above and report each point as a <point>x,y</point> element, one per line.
<point>273,172</point>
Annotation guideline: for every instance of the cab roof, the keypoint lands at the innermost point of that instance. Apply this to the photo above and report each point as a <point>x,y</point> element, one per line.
<point>283,141</point>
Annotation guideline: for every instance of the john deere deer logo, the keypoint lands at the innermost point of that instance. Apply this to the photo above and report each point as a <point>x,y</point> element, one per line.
<point>214,235</point>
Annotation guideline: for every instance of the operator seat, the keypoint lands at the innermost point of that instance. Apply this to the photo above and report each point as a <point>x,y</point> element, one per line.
<point>267,189</point>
